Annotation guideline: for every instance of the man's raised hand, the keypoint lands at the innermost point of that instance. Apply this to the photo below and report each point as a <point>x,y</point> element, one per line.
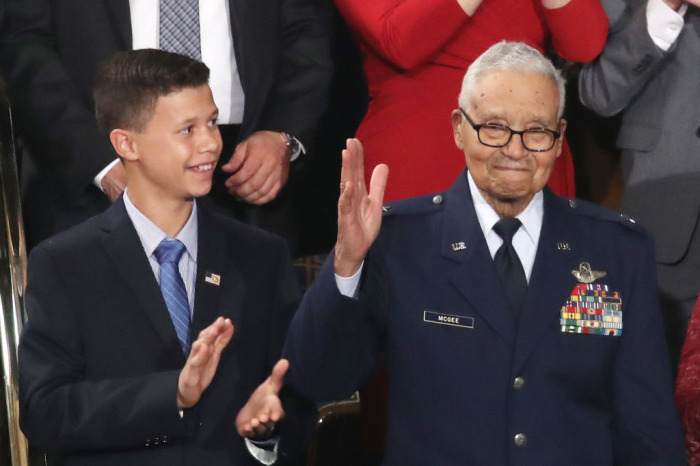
<point>359,213</point>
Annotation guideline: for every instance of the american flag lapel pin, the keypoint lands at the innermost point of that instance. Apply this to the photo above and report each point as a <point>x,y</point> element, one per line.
<point>213,278</point>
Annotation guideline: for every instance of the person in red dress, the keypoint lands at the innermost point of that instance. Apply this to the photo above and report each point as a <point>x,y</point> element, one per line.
<point>688,387</point>
<point>415,55</point>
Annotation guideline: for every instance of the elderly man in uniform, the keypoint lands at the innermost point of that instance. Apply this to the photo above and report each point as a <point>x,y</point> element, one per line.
<point>517,327</point>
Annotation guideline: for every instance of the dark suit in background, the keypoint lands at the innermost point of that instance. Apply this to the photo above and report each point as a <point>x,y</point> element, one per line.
<point>100,360</point>
<point>51,50</point>
<point>487,388</point>
<point>660,138</point>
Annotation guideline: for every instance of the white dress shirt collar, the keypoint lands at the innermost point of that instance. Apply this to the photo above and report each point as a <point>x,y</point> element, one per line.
<point>151,235</point>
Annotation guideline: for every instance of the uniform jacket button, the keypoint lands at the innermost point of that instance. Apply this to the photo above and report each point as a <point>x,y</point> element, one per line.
<point>518,383</point>
<point>520,440</point>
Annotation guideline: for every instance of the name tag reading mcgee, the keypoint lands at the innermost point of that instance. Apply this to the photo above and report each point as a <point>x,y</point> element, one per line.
<point>448,319</point>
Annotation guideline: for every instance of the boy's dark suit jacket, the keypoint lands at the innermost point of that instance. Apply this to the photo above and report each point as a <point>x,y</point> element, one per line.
<point>51,50</point>
<point>99,358</point>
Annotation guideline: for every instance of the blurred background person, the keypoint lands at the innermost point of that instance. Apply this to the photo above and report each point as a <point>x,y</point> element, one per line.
<point>270,74</point>
<point>415,54</point>
<point>649,73</point>
<point>688,388</point>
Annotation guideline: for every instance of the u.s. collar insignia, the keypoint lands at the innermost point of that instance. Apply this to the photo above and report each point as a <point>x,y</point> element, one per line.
<point>458,246</point>
<point>585,274</point>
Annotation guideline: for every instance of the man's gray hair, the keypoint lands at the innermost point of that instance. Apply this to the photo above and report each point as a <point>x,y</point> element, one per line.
<point>510,56</point>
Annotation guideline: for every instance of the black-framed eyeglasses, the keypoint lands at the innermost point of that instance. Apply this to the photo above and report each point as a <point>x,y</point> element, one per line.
<point>495,135</point>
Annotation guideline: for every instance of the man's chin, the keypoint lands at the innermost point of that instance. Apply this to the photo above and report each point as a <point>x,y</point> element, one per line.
<point>512,192</point>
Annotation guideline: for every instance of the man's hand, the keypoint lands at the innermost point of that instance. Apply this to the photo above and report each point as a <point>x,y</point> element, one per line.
<point>260,167</point>
<point>677,4</point>
<point>201,365</point>
<point>264,409</point>
<point>114,182</point>
<point>359,214</point>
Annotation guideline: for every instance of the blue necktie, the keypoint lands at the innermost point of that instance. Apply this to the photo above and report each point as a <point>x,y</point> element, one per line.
<point>179,27</point>
<point>508,264</point>
<point>168,255</point>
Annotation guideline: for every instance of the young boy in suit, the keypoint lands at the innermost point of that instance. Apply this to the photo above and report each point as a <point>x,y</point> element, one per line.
<point>120,362</point>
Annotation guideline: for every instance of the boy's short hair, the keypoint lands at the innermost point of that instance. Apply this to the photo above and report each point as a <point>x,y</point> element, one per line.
<point>128,85</point>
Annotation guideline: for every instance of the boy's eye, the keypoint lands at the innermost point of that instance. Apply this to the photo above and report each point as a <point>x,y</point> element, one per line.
<point>187,130</point>
<point>213,122</point>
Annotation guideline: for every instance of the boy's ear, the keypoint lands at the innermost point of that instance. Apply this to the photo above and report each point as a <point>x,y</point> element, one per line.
<point>123,142</point>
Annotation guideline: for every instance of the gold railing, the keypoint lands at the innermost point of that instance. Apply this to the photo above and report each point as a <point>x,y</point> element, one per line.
<point>14,450</point>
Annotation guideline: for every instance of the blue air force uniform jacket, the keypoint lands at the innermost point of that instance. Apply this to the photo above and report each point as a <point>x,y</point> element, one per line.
<point>582,377</point>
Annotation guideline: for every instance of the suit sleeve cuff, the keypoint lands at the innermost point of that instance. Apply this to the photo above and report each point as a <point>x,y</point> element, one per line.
<point>664,24</point>
<point>264,451</point>
<point>100,176</point>
<point>348,285</point>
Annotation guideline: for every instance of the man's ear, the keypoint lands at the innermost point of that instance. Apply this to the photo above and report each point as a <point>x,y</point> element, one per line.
<point>562,130</point>
<point>123,142</point>
<point>457,120</point>
<point>562,126</point>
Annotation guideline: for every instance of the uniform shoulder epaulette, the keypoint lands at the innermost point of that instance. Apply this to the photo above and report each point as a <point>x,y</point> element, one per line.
<point>591,210</point>
<point>414,205</point>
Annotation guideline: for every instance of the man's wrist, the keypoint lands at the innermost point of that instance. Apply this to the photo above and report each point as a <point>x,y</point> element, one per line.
<point>294,147</point>
<point>346,268</point>
<point>674,4</point>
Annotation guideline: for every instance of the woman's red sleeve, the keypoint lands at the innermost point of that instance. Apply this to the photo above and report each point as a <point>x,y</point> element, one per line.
<point>579,30</point>
<point>405,33</point>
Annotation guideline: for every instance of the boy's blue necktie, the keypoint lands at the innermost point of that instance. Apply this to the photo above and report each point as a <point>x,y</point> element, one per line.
<point>168,255</point>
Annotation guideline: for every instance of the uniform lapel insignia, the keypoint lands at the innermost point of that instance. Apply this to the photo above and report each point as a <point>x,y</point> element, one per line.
<point>585,274</point>
<point>458,246</point>
<point>213,278</point>
<point>563,246</point>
